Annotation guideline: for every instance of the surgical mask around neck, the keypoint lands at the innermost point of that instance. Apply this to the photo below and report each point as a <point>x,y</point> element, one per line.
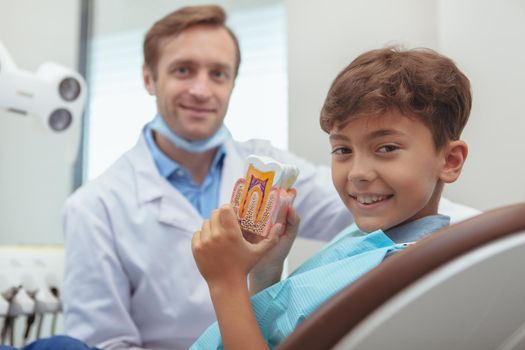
<point>222,134</point>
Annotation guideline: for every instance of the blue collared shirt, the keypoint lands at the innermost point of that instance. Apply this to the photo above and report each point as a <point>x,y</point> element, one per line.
<point>205,197</point>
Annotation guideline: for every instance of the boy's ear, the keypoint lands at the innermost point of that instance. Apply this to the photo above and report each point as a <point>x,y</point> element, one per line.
<point>149,81</point>
<point>455,154</point>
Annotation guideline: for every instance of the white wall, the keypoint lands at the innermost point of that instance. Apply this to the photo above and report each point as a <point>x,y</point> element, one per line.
<point>487,40</point>
<point>34,177</point>
<point>324,36</point>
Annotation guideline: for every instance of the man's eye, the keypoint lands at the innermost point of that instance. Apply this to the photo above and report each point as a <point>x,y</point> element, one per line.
<point>341,150</point>
<point>219,74</point>
<point>387,148</point>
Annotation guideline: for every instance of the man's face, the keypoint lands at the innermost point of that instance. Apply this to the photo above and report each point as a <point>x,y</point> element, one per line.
<point>386,170</point>
<point>195,77</point>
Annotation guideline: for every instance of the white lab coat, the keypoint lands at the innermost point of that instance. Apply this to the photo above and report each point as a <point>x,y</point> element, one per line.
<point>130,277</point>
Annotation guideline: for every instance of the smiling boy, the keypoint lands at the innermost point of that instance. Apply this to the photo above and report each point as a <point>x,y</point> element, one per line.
<point>394,118</point>
<point>385,169</point>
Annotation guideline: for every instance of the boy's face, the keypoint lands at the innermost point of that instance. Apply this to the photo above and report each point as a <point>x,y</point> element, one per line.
<point>386,170</point>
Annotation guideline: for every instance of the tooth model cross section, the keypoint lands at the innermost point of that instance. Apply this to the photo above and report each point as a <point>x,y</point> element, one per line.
<point>258,198</point>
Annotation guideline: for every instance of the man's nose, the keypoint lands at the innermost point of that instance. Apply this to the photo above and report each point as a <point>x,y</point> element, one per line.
<point>201,87</point>
<point>361,171</point>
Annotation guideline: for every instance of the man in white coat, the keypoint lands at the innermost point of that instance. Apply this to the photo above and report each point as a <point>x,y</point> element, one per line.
<point>130,278</point>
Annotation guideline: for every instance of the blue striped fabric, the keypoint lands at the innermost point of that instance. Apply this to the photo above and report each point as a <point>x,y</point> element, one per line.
<point>280,308</point>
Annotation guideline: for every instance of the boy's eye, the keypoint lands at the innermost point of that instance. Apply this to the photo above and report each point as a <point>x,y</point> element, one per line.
<point>341,150</point>
<point>387,148</point>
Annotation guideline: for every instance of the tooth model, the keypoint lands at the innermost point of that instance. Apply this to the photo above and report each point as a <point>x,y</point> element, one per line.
<point>258,198</point>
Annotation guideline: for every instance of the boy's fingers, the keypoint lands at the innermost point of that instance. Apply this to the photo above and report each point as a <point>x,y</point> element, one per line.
<point>195,240</point>
<point>292,222</point>
<point>271,240</point>
<point>281,215</point>
<point>292,218</point>
<point>287,198</point>
<point>264,246</point>
<point>215,223</point>
<point>276,231</point>
<point>205,230</point>
<point>292,193</point>
<point>228,219</point>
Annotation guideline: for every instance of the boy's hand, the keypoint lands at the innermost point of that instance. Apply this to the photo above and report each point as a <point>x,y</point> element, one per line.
<point>268,269</point>
<point>275,257</point>
<point>222,254</point>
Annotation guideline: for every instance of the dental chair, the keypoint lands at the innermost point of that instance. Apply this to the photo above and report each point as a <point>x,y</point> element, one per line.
<point>461,288</point>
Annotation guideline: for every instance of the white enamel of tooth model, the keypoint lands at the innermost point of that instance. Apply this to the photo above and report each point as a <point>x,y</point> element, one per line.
<point>285,174</point>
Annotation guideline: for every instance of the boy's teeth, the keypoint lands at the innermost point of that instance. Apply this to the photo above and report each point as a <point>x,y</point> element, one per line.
<point>370,199</point>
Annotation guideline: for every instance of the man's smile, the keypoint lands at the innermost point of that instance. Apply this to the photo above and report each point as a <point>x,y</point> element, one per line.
<point>197,109</point>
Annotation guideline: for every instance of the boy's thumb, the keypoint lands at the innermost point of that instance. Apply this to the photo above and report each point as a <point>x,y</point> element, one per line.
<point>228,217</point>
<point>273,236</point>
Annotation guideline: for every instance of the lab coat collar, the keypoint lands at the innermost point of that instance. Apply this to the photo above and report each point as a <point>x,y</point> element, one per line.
<point>174,208</point>
<point>150,185</point>
<point>232,170</point>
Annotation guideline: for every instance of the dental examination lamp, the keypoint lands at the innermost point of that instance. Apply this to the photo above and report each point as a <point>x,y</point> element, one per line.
<point>55,95</point>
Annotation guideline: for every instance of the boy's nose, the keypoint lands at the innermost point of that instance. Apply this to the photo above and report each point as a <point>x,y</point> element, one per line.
<point>360,172</point>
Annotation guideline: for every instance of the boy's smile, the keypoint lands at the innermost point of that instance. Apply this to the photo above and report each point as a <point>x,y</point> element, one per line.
<point>386,169</point>
<point>369,199</point>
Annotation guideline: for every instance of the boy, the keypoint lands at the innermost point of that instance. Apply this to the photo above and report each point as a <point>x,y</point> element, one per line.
<point>394,118</point>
